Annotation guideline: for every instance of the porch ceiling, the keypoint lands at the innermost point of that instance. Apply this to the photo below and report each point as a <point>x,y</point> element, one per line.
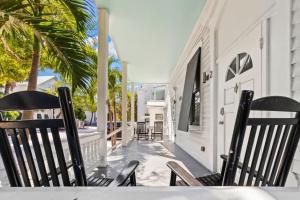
<point>151,34</point>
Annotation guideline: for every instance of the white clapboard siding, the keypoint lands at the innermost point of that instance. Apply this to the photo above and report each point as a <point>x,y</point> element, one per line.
<point>192,141</point>
<point>295,64</point>
<point>205,87</point>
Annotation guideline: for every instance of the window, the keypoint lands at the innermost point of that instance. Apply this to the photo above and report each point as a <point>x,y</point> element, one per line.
<point>195,104</point>
<point>190,104</point>
<point>239,65</point>
<point>158,94</point>
<point>159,117</point>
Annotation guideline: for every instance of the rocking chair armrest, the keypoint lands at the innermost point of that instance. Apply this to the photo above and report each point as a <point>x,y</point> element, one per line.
<point>126,173</point>
<point>183,174</point>
<point>225,158</point>
<point>240,166</point>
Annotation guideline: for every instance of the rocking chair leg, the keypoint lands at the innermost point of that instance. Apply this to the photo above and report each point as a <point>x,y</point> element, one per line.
<point>173,179</point>
<point>133,179</point>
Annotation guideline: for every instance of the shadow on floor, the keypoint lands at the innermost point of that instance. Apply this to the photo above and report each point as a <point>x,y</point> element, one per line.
<point>153,156</point>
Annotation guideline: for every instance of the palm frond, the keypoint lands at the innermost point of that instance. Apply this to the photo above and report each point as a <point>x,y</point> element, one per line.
<point>83,12</point>
<point>65,47</point>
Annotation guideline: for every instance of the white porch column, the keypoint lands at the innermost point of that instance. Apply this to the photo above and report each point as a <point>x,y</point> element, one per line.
<point>102,83</point>
<point>132,108</point>
<point>124,104</point>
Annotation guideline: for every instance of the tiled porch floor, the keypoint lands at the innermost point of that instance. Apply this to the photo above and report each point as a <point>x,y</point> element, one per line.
<point>153,156</point>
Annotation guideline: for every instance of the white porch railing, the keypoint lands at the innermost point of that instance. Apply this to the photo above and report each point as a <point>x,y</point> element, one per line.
<point>90,147</point>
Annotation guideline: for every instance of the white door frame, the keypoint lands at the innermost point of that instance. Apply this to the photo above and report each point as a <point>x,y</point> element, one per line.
<point>264,72</point>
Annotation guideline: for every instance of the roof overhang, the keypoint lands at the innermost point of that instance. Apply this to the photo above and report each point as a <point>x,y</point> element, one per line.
<point>151,34</point>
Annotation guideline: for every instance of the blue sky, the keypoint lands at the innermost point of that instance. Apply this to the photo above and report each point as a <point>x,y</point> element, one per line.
<point>93,34</point>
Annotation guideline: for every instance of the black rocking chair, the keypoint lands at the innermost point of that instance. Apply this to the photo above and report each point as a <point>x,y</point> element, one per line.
<point>265,159</point>
<point>141,130</point>
<point>157,130</point>
<point>45,164</point>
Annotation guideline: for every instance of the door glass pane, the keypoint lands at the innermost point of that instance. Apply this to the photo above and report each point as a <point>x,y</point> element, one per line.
<point>231,70</point>
<point>230,75</point>
<point>233,66</point>
<point>247,64</point>
<point>242,59</point>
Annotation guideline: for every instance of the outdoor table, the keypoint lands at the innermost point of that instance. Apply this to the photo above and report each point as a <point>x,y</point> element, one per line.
<point>150,193</point>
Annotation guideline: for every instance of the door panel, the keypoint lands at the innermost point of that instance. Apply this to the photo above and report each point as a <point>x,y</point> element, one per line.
<point>229,96</point>
<point>228,127</point>
<point>239,69</point>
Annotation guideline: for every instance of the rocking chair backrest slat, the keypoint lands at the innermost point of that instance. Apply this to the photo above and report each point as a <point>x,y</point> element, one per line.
<point>8,159</point>
<point>264,155</point>
<point>29,157</point>
<point>141,127</point>
<point>256,153</point>
<point>37,156</point>
<point>272,155</point>
<point>158,127</point>
<point>49,156</point>
<point>269,146</point>
<point>20,159</point>
<point>247,156</point>
<point>60,157</point>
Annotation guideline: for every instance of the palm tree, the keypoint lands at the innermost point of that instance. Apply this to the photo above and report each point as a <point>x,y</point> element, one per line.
<point>90,100</point>
<point>56,28</point>
<point>114,89</point>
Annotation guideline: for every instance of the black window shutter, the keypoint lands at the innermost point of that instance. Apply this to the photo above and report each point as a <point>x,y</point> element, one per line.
<point>190,76</point>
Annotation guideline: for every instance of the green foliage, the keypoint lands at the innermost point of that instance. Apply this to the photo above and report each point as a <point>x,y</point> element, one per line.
<point>11,70</point>
<point>60,27</point>
<point>15,56</point>
<point>79,113</point>
<point>114,89</point>
<point>12,115</point>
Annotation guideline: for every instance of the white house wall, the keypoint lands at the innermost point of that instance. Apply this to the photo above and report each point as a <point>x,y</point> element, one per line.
<point>295,65</point>
<point>236,18</point>
<point>231,21</point>
<point>200,136</point>
<point>239,17</point>
<point>153,110</point>
<point>295,49</point>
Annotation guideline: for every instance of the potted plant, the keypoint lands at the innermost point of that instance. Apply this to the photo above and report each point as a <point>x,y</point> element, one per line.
<point>80,117</point>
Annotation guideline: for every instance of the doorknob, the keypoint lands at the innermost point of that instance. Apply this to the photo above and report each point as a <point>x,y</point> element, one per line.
<point>236,88</point>
<point>221,122</point>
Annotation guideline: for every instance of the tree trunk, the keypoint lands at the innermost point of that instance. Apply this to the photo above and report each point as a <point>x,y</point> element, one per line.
<point>7,87</point>
<point>92,117</point>
<point>32,81</point>
<point>36,56</point>
<point>115,114</point>
<point>113,139</point>
<point>111,126</point>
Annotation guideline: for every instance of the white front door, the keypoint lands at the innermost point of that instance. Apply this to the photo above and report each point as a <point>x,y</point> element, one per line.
<point>240,69</point>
